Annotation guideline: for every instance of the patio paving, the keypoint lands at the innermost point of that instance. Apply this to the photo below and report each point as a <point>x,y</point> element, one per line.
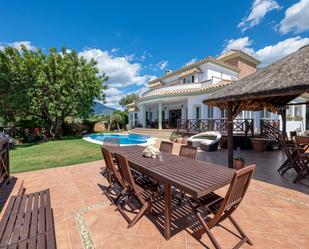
<point>273,216</point>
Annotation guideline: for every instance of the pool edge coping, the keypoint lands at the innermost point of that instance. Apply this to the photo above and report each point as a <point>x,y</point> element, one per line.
<point>150,140</point>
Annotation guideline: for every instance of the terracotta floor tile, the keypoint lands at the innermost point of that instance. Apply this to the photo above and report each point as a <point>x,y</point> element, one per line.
<point>281,242</point>
<point>172,245</point>
<point>142,243</point>
<point>147,229</point>
<point>118,241</point>
<point>267,215</point>
<point>301,242</point>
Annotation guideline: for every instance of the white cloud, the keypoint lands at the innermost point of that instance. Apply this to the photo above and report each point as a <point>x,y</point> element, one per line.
<point>162,64</point>
<point>272,53</point>
<point>259,9</point>
<point>296,18</point>
<point>122,73</point>
<point>113,96</point>
<point>191,61</point>
<point>268,54</point>
<point>17,45</point>
<point>243,44</point>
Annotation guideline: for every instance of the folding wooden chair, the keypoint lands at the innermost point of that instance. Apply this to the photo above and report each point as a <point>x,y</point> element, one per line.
<point>223,208</point>
<point>293,134</point>
<point>144,192</point>
<point>113,175</point>
<point>166,146</point>
<point>188,151</point>
<point>302,145</point>
<point>292,161</point>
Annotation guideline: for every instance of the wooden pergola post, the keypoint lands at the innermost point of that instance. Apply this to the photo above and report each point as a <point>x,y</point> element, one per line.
<point>230,145</point>
<point>283,115</point>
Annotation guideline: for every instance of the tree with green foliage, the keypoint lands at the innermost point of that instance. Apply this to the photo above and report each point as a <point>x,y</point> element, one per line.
<point>116,119</point>
<point>48,87</point>
<point>128,99</point>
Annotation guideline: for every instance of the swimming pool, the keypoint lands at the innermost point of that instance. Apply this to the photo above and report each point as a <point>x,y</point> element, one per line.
<point>124,139</point>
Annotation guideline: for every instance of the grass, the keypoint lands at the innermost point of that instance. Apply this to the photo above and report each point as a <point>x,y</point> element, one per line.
<point>53,154</point>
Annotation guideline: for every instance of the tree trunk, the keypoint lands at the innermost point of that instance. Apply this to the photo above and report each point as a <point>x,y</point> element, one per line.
<point>55,129</point>
<point>118,126</point>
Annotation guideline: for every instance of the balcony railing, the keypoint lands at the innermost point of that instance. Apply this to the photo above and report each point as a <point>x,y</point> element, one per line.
<point>241,126</point>
<point>271,128</point>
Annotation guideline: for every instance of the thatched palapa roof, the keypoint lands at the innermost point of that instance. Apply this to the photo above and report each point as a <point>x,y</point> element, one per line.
<point>270,87</point>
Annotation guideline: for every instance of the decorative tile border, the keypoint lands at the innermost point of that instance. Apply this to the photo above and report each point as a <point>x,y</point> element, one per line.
<point>82,227</point>
<point>280,196</point>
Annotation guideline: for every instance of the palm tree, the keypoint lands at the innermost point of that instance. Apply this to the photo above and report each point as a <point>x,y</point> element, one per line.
<point>116,119</point>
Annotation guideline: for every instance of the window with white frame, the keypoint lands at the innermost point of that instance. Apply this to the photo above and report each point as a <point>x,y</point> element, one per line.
<point>289,111</point>
<point>224,113</point>
<point>210,112</point>
<point>197,111</point>
<point>297,111</point>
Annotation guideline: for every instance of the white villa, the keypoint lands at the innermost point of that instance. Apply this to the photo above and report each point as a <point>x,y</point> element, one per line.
<point>178,95</point>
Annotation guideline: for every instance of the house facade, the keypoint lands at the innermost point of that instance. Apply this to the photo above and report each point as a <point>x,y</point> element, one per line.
<point>177,96</point>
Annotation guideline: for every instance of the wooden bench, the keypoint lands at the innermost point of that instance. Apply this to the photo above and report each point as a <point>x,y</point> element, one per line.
<point>28,223</point>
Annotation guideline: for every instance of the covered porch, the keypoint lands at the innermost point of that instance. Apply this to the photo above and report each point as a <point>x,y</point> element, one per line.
<point>163,113</point>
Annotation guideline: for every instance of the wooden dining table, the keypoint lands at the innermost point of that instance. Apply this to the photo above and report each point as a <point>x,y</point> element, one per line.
<point>195,178</point>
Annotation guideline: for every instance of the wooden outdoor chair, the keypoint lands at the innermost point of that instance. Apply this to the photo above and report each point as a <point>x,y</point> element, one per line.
<point>141,190</point>
<point>166,146</point>
<point>223,208</point>
<point>292,161</point>
<point>113,175</point>
<point>188,151</point>
<point>293,134</point>
<point>302,145</point>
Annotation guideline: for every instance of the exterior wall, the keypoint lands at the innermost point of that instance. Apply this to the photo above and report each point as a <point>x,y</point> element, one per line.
<point>246,67</point>
<point>211,71</point>
<point>296,117</point>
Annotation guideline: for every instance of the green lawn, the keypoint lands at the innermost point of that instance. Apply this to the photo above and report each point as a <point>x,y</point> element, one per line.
<point>53,154</point>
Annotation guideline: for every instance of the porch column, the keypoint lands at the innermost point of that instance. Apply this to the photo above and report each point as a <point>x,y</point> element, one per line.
<point>160,116</point>
<point>230,145</point>
<point>143,115</point>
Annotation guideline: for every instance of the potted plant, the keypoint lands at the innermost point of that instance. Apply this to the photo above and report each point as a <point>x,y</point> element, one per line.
<point>239,162</point>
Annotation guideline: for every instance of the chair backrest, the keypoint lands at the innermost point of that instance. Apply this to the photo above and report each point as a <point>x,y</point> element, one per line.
<point>113,141</point>
<point>166,146</point>
<point>235,193</point>
<point>110,165</point>
<point>188,151</point>
<point>293,134</point>
<point>125,172</point>
<point>302,145</point>
<point>284,146</point>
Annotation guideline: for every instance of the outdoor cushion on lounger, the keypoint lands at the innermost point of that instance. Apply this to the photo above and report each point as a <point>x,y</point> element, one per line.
<point>205,138</point>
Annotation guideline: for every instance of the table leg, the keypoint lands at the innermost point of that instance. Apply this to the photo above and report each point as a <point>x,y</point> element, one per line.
<point>167,210</point>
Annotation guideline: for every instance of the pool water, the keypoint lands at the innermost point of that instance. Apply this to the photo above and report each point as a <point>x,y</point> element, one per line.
<point>130,139</point>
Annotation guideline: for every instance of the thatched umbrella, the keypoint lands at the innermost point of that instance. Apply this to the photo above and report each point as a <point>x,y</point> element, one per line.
<point>271,87</point>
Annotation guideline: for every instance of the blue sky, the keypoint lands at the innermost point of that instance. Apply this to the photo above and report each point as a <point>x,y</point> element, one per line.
<point>135,41</point>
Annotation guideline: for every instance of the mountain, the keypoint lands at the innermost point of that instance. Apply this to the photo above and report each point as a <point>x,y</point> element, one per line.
<point>101,109</point>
